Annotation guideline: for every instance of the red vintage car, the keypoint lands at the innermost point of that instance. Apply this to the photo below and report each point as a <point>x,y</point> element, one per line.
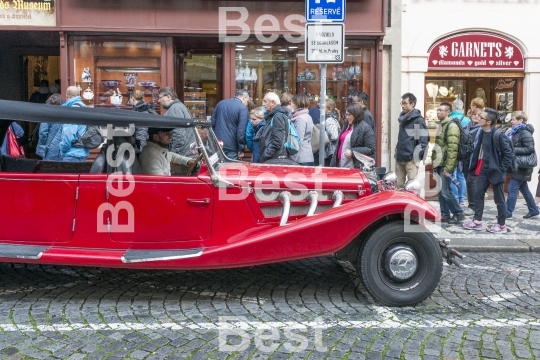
<point>221,214</point>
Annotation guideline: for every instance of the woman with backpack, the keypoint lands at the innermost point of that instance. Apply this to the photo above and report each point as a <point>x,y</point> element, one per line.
<point>304,126</point>
<point>358,136</point>
<point>521,136</point>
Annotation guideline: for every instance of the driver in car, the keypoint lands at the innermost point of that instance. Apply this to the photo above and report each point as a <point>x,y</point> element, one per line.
<point>155,158</point>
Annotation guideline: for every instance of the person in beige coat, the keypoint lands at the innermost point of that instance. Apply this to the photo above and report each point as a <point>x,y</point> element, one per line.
<point>155,158</point>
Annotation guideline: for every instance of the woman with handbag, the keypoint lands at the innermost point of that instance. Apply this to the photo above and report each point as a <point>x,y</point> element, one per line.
<point>521,136</point>
<point>358,136</point>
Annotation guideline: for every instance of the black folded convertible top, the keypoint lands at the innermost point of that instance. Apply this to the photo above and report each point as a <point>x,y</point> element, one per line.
<point>24,111</point>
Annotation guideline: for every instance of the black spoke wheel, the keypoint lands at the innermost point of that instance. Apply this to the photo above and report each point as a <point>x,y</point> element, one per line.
<point>400,268</point>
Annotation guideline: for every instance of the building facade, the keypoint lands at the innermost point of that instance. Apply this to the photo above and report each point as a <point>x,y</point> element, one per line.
<point>205,49</point>
<point>462,49</point>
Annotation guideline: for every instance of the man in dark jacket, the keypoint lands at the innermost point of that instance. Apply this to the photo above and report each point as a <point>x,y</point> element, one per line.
<point>276,130</point>
<point>490,162</point>
<point>361,98</point>
<point>470,177</point>
<point>182,138</point>
<point>229,121</point>
<point>412,142</point>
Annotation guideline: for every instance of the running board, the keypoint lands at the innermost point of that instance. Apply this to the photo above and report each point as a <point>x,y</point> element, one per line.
<point>135,256</point>
<point>31,252</point>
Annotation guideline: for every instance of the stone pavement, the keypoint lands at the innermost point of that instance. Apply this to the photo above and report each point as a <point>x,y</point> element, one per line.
<point>524,234</point>
<point>314,309</point>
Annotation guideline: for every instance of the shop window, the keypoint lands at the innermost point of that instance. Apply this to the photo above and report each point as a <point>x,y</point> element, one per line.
<point>342,80</point>
<point>439,91</point>
<point>282,68</point>
<point>201,84</point>
<point>108,71</point>
<point>498,94</point>
<point>261,68</point>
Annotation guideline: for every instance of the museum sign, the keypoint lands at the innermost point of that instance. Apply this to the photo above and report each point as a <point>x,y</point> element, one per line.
<point>27,13</point>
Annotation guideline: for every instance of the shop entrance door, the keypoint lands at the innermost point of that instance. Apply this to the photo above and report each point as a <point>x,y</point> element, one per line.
<point>479,88</point>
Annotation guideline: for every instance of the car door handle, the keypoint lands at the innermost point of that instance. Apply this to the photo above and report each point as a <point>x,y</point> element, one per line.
<point>199,201</point>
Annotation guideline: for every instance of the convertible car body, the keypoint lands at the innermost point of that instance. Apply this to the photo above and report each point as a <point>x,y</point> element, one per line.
<point>221,214</point>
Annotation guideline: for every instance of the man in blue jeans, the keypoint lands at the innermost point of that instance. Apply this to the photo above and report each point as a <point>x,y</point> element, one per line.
<point>459,192</point>
<point>445,160</point>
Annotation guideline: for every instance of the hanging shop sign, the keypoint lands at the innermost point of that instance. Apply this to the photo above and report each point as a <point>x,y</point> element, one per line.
<point>27,13</point>
<point>475,51</point>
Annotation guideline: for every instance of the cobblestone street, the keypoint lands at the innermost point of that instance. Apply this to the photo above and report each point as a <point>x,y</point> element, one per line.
<point>315,308</point>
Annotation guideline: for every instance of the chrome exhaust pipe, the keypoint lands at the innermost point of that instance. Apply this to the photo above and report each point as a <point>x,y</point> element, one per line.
<point>337,196</point>
<point>285,198</point>
<point>313,198</point>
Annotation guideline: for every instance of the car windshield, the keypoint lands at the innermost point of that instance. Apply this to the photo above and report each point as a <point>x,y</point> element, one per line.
<point>211,146</point>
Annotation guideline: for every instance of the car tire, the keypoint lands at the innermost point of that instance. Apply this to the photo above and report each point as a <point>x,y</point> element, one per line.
<point>281,162</point>
<point>399,268</point>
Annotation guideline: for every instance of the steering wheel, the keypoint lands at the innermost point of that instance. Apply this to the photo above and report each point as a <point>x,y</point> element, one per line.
<point>194,165</point>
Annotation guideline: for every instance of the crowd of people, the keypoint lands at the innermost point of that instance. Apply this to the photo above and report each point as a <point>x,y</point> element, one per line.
<point>267,129</point>
<point>472,152</point>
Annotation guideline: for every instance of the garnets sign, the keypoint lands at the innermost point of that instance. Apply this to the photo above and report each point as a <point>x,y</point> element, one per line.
<point>475,51</point>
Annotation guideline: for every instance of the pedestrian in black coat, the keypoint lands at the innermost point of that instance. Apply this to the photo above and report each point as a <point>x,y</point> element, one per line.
<point>275,133</point>
<point>521,135</point>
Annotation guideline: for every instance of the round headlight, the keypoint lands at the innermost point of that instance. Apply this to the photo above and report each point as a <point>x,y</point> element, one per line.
<point>412,185</point>
<point>390,178</point>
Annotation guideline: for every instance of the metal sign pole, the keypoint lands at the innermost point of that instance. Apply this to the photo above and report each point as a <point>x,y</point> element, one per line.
<point>322,126</point>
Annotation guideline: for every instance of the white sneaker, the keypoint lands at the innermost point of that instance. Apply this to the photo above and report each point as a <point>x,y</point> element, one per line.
<point>468,211</point>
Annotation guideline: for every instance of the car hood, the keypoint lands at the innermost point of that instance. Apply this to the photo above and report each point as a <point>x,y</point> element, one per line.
<point>294,177</point>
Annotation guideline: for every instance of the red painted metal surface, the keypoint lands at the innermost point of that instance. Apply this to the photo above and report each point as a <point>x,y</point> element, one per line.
<point>190,212</point>
<point>37,209</point>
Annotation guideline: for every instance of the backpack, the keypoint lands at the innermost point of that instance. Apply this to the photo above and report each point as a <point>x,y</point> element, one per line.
<point>292,142</point>
<point>91,138</point>
<point>513,168</point>
<point>466,140</point>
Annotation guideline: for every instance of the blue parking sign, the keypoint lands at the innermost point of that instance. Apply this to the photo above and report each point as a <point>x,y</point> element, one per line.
<point>325,10</point>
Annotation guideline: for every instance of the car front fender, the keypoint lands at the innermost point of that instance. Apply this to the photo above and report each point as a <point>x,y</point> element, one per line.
<point>318,235</point>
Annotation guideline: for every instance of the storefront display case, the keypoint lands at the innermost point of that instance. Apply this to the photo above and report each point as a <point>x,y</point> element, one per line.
<point>439,91</point>
<point>342,80</point>
<point>196,104</point>
<point>504,95</point>
<point>108,71</point>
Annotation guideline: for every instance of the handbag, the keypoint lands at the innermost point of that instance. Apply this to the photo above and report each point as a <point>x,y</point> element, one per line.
<point>13,147</point>
<point>315,136</point>
<point>527,161</point>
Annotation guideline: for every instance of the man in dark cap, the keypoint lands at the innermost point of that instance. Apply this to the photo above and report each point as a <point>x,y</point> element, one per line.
<point>155,158</point>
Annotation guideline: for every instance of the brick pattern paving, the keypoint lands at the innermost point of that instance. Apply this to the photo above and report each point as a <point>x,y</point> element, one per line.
<point>490,308</point>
